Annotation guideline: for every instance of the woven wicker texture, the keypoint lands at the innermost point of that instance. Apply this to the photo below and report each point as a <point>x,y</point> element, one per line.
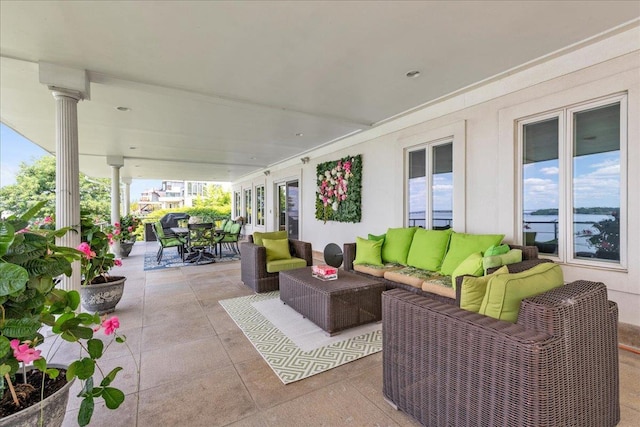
<point>558,366</point>
<point>253,264</point>
<point>529,259</point>
<point>334,305</point>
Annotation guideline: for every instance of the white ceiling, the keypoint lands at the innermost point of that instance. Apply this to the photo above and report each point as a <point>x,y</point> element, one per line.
<point>219,90</point>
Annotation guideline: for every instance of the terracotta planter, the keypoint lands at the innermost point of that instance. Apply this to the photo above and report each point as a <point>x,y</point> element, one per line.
<point>52,409</point>
<point>125,248</point>
<point>102,297</point>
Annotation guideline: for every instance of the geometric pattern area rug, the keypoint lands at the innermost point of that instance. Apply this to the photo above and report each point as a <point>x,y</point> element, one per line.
<point>171,258</point>
<point>287,359</point>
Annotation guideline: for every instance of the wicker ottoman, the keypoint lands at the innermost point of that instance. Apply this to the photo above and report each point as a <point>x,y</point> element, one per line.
<point>334,305</point>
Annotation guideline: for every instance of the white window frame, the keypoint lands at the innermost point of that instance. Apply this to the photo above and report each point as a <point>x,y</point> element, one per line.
<point>565,179</point>
<point>248,218</point>
<point>428,147</point>
<point>261,208</point>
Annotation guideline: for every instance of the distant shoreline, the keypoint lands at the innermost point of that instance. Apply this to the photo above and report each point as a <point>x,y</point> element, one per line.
<point>584,211</point>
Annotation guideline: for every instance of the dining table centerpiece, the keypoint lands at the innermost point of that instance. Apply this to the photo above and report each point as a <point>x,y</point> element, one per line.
<point>32,390</point>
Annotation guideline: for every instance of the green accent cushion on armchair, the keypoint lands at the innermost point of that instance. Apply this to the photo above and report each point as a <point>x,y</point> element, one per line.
<point>276,249</point>
<point>274,235</point>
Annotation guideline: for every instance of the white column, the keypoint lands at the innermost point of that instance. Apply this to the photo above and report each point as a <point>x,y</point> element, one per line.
<point>115,200</point>
<point>67,177</point>
<point>127,196</point>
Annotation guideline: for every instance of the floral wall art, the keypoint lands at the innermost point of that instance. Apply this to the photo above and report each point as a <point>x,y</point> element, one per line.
<point>339,190</point>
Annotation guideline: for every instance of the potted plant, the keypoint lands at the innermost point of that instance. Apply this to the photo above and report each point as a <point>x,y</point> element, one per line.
<point>100,291</point>
<point>124,232</point>
<point>30,263</point>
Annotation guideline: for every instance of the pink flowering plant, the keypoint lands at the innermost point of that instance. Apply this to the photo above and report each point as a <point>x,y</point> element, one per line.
<point>96,260</point>
<point>339,190</point>
<point>125,229</point>
<point>30,265</point>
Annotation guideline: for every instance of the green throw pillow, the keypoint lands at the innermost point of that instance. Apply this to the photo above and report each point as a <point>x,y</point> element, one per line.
<point>277,249</point>
<point>474,288</point>
<point>471,266</point>
<point>374,237</point>
<point>511,257</point>
<point>506,291</point>
<point>273,235</point>
<point>497,250</point>
<point>368,252</point>
<point>462,245</point>
<point>396,245</point>
<point>428,248</point>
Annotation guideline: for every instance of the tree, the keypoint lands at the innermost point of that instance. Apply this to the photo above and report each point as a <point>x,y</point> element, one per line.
<point>37,182</point>
<point>217,198</point>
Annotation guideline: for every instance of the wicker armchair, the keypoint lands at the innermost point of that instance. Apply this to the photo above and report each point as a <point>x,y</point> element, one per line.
<point>253,264</point>
<point>557,366</point>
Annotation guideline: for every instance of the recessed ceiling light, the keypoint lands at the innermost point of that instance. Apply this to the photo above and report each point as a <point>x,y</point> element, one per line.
<point>253,158</point>
<point>123,108</point>
<point>299,134</point>
<point>413,74</point>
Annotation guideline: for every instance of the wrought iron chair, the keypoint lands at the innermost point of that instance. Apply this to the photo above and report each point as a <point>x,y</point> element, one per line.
<point>200,242</point>
<point>167,241</point>
<point>229,238</point>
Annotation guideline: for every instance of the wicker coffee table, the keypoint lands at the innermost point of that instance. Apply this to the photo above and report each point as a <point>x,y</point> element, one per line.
<point>333,305</point>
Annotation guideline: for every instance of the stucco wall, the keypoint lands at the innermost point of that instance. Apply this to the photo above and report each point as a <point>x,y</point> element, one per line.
<point>481,120</point>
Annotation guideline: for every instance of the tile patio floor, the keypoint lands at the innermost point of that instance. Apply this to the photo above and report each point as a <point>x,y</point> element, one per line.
<point>198,369</point>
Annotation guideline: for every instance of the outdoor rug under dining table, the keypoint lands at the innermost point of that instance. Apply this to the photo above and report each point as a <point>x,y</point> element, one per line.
<point>171,258</point>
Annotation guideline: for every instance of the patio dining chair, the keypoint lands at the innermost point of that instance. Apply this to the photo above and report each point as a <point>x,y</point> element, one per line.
<point>200,242</point>
<point>167,241</point>
<point>229,239</point>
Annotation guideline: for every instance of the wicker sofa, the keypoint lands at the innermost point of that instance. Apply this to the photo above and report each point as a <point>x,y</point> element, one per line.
<point>557,366</point>
<point>529,259</point>
<point>253,264</point>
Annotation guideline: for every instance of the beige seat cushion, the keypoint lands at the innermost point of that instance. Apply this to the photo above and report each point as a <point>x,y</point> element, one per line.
<point>374,270</point>
<point>410,276</point>
<point>440,286</point>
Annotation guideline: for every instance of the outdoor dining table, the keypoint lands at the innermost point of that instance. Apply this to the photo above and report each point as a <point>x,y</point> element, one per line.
<point>184,233</point>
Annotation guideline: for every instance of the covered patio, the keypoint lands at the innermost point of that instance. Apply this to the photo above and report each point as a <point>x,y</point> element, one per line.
<point>198,369</point>
<point>260,97</point>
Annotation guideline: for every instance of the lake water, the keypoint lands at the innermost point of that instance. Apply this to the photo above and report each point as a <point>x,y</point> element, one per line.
<point>545,226</point>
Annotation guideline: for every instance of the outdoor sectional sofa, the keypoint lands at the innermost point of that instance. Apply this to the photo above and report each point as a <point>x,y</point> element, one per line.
<point>413,248</point>
<point>557,365</point>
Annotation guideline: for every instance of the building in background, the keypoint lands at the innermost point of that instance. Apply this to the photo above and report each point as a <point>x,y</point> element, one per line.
<point>173,194</point>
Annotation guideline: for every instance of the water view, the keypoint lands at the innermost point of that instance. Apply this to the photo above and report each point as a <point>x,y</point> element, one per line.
<point>543,230</point>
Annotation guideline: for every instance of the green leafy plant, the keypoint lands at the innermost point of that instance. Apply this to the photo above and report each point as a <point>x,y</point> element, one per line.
<point>607,241</point>
<point>30,263</point>
<point>96,258</point>
<point>339,190</point>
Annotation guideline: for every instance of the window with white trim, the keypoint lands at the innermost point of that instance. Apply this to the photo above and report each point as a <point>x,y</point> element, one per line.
<point>573,182</point>
<point>430,185</point>
<point>248,206</point>
<point>260,205</point>
<point>237,204</point>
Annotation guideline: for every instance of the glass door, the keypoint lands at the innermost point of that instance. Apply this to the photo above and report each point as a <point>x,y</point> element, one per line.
<point>288,203</point>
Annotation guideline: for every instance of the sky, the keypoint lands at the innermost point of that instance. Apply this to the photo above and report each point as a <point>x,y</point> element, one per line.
<point>15,149</point>
<point>596,182</point>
